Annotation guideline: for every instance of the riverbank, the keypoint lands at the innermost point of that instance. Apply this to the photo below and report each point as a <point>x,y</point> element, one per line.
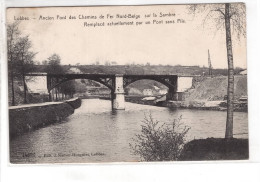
<point>207,93</point>
<point>206,105</point>
<point>197,104</point>
<point>25,118</point>
<point>215,149</point>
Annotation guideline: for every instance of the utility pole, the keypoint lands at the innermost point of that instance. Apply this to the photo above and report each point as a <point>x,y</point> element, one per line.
<point>210,66</point>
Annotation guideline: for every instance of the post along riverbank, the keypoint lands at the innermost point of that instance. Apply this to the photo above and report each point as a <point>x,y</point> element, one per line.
<point>26,118</point>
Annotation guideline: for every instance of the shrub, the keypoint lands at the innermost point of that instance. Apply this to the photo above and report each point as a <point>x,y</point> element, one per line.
<point>159,141</point>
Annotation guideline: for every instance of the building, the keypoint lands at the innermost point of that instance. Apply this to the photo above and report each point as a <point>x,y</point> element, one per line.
<point>163,91</point>
<point>74,70</point>
<point>148,92</point>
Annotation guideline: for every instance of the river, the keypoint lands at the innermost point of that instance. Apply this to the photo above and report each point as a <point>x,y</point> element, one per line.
<point>96,134</point>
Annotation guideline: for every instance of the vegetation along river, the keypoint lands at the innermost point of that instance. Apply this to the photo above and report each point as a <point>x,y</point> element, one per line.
<point>96,134</point>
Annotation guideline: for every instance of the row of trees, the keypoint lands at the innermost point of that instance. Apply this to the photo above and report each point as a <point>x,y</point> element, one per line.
<point>21,60</point>
<point>20,57</point>
<point>53,66</point>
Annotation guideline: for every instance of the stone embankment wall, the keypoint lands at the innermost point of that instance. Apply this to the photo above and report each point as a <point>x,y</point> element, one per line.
<point>30,117</point>
<point>206,105</point>
<point>74,103</point>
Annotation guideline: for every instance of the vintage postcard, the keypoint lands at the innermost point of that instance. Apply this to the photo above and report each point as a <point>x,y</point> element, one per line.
<point>127,83</point>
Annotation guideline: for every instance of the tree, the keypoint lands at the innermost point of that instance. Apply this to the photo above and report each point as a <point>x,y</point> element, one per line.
<point>45,62</point>
<point>231,16</point>
<point>12,36</point>
<point>107,63</point>
<point>159,142</point>
<point>53,64</point>
<point>54,67</point>
<point>24,60</point>
<point>68,88</point>
<point>20,58</point>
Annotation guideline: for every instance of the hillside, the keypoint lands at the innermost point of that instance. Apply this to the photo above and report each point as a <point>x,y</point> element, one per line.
<point>215,88</point>
<point>143,69</point>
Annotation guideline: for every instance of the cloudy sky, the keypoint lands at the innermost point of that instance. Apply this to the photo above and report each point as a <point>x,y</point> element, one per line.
<point>176,43</point>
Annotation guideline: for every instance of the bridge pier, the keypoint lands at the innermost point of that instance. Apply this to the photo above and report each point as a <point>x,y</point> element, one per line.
<point>118,96</point>
<point>171,95</point>
<point>172,92</point>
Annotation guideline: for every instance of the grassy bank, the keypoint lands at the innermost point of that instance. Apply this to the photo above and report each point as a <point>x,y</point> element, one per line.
<point>215,149</point>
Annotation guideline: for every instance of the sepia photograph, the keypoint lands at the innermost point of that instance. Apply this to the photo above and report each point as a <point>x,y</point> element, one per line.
<point>144,83</point>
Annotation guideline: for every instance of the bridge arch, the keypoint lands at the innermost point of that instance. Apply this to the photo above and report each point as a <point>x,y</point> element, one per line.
<point>66,80</point>
<point>168,85</point>
<point>146,88</point>
<point>55,80</point>
<point>171,83</point>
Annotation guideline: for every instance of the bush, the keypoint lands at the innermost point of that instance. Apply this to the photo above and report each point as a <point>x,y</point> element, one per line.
<point>159,142</point>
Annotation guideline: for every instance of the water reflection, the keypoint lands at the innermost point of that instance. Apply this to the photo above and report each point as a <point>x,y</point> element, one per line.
<point>95,133</point>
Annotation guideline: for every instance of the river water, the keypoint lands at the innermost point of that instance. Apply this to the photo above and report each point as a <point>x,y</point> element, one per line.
<point>96,134</point>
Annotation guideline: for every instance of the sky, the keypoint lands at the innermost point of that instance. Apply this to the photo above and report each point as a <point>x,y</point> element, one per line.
<point>166,44</point>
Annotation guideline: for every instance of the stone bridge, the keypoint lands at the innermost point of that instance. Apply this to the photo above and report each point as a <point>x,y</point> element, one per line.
<point>115,82</point>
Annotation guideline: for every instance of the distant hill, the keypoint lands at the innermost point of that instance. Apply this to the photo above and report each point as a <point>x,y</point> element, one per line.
<point>141,70</point>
